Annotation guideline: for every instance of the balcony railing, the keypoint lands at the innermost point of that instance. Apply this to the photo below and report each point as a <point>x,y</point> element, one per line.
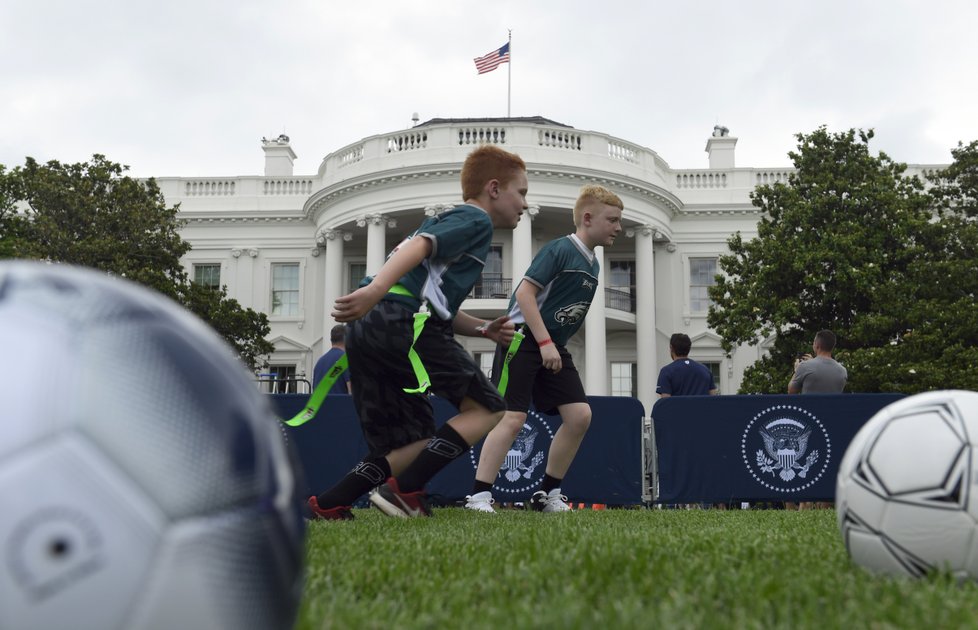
<point>490,286</point>
<point>620,300</point>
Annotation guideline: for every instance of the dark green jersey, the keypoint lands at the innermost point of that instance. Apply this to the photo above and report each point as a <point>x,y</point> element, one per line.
<point>460,241</point>
<point>567,273</point>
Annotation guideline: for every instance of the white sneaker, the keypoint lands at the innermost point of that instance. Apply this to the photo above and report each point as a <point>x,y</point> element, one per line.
<point>480,502</point>
<point>553,501</point>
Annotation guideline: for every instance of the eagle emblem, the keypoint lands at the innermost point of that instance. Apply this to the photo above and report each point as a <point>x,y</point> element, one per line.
<point>518,462</point>
<point>785,444</point>
<point>571,314</point>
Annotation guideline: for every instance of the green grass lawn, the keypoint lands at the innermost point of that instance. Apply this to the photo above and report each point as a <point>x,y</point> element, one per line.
<point>609,569</point>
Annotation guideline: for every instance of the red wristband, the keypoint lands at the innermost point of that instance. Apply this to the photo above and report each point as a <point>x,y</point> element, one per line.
<point>545,342</point>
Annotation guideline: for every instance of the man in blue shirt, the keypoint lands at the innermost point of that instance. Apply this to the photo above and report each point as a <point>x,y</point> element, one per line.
<point>684,377</point>
<point>337,337</point>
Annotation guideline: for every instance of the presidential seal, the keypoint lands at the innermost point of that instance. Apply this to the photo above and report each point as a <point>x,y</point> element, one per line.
<point>523,469</point>
<point>786,448</point>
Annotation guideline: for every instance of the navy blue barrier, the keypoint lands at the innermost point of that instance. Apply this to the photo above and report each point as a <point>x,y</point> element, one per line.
<point>756,448</point>
<point>607,469</point>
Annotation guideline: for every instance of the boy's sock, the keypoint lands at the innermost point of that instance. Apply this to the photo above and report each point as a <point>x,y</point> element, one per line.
<point>480,486</point>
<point>438,453</point>
<point>549,483</point>
<point>365,476</point>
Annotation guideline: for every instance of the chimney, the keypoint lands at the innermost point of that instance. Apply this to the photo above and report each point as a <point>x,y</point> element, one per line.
<point>720,146</point>
<point>278,156</point>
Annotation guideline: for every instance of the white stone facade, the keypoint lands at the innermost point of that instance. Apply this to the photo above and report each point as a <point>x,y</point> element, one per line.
<point>326,228</point>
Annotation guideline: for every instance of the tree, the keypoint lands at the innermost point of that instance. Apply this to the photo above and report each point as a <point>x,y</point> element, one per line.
<point>851,244</point>
<point>92,214</point>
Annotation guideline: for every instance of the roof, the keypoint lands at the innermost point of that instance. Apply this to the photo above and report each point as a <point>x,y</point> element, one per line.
<point>530,120</point>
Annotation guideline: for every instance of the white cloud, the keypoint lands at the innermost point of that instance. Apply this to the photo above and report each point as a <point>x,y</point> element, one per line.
<point>188,88</point>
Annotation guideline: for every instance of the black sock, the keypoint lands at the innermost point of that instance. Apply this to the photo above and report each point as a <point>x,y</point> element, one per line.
<point>438,453</point>
<point>549,483</point>
<point>480,486</point>
<point>365,476</point>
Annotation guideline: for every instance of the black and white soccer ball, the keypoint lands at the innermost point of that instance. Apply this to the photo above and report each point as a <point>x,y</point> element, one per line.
<point>144,481</point>
<point>906,495</point>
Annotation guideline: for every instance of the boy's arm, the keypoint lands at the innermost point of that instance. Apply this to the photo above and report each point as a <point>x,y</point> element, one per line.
<point>526,297</point>
<point>499,330</point>
<point>407,257</point>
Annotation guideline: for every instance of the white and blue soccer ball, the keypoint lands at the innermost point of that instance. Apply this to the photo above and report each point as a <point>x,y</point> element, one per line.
<point>144,481</point>
<point>906,493</point>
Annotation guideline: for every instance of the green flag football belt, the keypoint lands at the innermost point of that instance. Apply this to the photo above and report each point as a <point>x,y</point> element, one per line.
<point>420,373</point>
<point>514,345</point>
<point>319,394</point>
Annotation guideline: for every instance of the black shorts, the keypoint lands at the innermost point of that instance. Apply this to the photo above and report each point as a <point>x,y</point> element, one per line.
<point>529,380</point>
<point>377,346</point>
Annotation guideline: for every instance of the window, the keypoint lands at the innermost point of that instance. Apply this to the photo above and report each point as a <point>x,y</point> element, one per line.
<point>492,284</point>
<point>283,379</point>
<point>702,276</point>
<point>624,379</point>
<point>358,270</point>
<point>208,275</point>
<point>484,359</point>
<point>285,289</point>
<point>714,367</point>
<point>620,293</point>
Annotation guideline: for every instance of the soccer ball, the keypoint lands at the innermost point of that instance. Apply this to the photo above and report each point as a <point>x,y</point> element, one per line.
<point>144,481</point>
<point>905,496</point>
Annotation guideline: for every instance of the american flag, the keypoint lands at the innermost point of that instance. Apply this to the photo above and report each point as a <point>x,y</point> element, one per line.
<point>490,62</point>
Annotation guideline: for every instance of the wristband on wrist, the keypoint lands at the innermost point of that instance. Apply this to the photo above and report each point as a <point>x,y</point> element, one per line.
<point>484,329</point>
<point>545,342</point>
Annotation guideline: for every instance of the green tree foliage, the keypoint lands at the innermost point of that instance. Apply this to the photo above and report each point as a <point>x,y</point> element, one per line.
<point>851,244</point>
<point>92,214</point>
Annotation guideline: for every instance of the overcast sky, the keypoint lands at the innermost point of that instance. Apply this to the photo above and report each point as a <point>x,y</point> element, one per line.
<point>188,88</point>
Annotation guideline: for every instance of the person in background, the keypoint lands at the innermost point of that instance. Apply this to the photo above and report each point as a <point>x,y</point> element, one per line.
<point>819,374</point>
<point>684,377</point>
<point>337,337</point>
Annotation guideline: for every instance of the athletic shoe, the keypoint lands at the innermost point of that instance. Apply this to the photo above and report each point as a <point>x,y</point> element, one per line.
<point>338,513</point>
<point>552,502</point>
<point>389,499</point>
<point>480,502</point>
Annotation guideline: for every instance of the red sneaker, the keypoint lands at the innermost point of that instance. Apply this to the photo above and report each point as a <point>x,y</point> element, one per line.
<point>338,513</point>
<point>392,502</point>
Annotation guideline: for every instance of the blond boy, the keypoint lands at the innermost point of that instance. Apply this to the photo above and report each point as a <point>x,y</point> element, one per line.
<point>550,302</point>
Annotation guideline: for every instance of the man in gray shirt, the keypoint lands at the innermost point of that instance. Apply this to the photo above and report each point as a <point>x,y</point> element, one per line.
<point>820,374</point>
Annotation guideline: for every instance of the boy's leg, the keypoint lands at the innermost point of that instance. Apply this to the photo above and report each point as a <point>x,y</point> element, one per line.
<point>494,450</point>
<point>403,496</point>
<point>456,378</point>
<point>369,473</point>
<point>575,420</point>
<point>497,444</point>
<point>453,439</point>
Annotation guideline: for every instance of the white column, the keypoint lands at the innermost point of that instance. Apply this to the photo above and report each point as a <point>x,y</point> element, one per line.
<point>333,240</point>
<point>595,339</point>
<point>376,245</point>
<point>248,279</point>
<point>522,254</point>
<point>645,314</point>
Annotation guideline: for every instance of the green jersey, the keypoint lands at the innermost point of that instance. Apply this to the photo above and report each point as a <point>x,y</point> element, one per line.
<point>460,241</point>
<point>566,272</point>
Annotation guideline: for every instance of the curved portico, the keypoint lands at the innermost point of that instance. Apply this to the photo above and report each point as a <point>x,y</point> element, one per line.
<point>332,227</point>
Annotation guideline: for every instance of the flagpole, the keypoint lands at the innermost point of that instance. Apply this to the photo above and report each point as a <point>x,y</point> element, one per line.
<point>509,75</point>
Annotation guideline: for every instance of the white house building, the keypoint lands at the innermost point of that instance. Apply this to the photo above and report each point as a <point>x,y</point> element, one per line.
<point>288,245</point>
